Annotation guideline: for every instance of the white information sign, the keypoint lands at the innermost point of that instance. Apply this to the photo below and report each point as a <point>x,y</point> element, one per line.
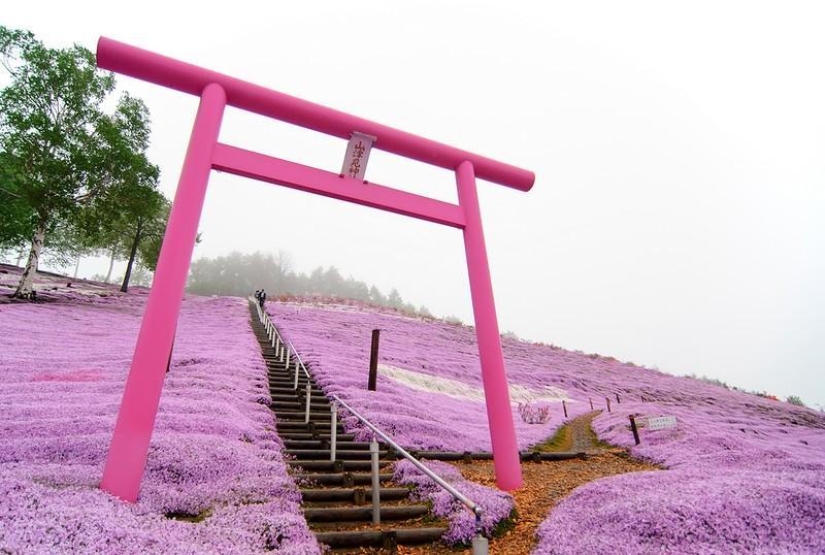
<point>358,152</point>
<point>661,422</point>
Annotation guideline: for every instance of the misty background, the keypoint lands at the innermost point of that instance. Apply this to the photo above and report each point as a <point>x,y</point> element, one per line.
<point>676,220</point>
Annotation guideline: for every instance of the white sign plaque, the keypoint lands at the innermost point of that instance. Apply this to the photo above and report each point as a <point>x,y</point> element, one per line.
<point>358,152</point>
<point>661,422</point>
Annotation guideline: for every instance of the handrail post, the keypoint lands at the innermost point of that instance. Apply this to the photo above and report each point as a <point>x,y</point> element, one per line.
<point>333,430</point>
<point>297,369</point>
<point>401,451</point>
<point>295,386</point>
<point>480,544</point>
<point>309,398</point>
<point>376,482</point>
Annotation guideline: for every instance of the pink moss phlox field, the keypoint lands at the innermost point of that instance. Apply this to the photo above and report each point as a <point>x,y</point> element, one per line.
<point>496,505</point>
<point>214,455</point>
<point>744,473</point>
<point>334,340</point>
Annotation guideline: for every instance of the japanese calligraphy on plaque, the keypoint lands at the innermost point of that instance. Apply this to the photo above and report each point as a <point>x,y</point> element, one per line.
<point>358,152</point>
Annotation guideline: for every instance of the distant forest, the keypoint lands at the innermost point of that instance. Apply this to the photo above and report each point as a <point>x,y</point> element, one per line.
<point>240,275</point>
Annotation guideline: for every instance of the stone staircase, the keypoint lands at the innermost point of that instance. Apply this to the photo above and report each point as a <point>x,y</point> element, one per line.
<point>337,495</point>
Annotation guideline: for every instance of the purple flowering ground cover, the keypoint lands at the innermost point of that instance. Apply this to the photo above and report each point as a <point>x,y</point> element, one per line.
<point>214,455</point>
<point>744,474</point>
<point>497,505</point>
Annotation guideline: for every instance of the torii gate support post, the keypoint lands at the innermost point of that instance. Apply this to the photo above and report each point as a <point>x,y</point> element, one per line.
<point>133,430</point>
<point>496,391</point>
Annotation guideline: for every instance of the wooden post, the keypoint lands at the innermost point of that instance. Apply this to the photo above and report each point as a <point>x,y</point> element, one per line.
<point>617,399</point>
<point>564,406</point>
<point>591,404</point>
<point>169,362</point>
<point>634,429</point>
<point>374,360</point>
<point>608,403</point>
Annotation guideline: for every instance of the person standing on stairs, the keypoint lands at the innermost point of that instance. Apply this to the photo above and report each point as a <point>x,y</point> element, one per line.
<point>262,298</point>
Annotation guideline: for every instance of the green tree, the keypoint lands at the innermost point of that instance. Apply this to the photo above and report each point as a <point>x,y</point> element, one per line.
<point>14,211</point>
<point>375,296</point>
<point>128,222</point>
<point>394,299</point>
<point>795,400</point>
<point>61,151</point>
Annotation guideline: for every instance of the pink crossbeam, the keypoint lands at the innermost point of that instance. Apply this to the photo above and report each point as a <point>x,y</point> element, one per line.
<point>168,72</point>
<point>128,452</point>
<point>304,178</point>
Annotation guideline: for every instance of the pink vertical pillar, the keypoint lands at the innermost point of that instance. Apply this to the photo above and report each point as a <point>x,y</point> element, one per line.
<point>135,421</point>
<point>496,391</point>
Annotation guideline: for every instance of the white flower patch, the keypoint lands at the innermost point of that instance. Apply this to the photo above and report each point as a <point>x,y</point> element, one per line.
<point>461,390</point>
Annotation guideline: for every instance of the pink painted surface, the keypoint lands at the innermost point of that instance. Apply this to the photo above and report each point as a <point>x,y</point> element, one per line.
<point>188,78</point>
<point>135,421</point>
<point>130,443</point>
<point>304,178</point>
<point>496,392</point>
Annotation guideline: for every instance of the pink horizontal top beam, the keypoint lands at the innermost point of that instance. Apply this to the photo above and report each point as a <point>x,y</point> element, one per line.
<point>250,164</point>
<point>174,74</point>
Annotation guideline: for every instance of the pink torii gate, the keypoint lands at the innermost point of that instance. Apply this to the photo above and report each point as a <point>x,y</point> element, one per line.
<point>128,451</point>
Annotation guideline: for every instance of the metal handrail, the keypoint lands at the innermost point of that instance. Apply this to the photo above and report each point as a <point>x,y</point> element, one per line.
<point>300,362</point>
<point>474,507</point>
<point>433,476</point>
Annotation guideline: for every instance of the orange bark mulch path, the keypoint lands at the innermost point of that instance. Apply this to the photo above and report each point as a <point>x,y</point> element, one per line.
<point>545,484</point>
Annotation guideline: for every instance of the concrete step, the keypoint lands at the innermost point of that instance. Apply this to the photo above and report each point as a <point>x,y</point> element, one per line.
<point>363,514</point>
<point>289,390</point>
<point>320,418</point>
<point>323,454</point>
<point>324,444</point>
<point>290,426</point>
<point>387,539</point>
<point>324,434</point>
<point>345,479</point>
<point>352,495</point>
<point>328,466</point>
<point>317,404</point>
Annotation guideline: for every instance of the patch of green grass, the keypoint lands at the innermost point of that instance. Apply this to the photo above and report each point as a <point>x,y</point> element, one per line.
<point>562,440</point>
<point>597,443</point>
<point>506,525</point>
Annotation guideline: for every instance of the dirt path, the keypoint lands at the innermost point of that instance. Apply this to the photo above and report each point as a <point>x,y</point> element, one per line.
<point>545,484</point>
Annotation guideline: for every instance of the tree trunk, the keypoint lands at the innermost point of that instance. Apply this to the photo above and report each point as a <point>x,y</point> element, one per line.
<point>125,287</point>
<point>111,265</point>
<point>76,267</point>
<point>25,289</point>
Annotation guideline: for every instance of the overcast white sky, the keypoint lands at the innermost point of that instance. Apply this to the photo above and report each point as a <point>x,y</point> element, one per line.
<point>677,217</point>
